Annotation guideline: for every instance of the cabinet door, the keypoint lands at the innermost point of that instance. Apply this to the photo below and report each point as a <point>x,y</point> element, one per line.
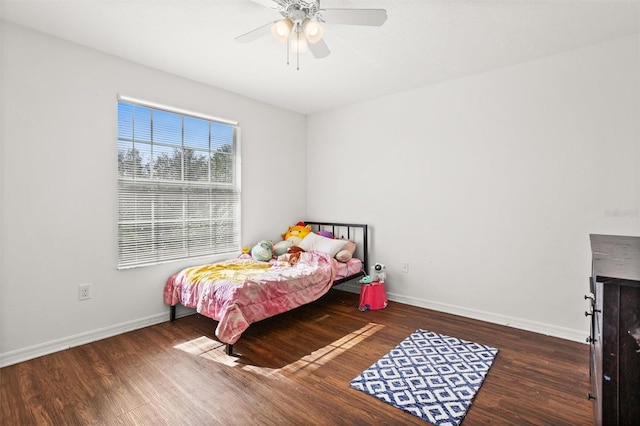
<point>629,355</point>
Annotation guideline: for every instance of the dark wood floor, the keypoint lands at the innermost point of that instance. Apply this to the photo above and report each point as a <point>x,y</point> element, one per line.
<point>294,369</point>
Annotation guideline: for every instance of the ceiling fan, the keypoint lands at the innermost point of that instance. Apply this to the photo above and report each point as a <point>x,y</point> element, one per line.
<point>301,27</point>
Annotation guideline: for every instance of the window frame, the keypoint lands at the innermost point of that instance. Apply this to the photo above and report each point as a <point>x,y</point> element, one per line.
<point>157,191</point>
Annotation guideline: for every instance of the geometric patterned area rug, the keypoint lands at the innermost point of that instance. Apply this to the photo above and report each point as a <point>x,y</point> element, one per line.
<point>430,375</point>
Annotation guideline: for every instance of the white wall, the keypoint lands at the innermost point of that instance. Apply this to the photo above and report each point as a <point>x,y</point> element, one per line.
<point>490,185</point>
<point>59,180</point>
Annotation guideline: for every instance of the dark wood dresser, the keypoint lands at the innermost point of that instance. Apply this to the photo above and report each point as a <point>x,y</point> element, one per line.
<point>615,329</point>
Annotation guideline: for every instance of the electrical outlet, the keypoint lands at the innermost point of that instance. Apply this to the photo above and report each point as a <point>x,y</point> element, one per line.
<point>84,291</point>
<point>405,267</point>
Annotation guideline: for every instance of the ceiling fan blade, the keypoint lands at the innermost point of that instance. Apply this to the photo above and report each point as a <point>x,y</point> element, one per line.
<point>319,49</point>
<point>255,34</point>
<point>372,17</point>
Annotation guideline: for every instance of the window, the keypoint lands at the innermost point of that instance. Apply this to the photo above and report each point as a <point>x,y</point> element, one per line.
<point>178,185</point>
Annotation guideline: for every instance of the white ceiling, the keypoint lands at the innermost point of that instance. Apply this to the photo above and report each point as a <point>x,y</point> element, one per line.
<point>423,42</point>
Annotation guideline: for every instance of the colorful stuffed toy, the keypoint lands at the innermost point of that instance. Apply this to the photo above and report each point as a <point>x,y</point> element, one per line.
<point>262,251</point>
<point>296,233</point>
<point>293,254</point>
<point>326,234</point>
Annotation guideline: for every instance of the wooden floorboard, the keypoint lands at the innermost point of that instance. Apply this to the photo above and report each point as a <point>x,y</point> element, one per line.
<point>292,369</point>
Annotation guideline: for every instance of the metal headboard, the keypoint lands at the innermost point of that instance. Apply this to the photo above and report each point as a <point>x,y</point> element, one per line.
<point>338,230</point>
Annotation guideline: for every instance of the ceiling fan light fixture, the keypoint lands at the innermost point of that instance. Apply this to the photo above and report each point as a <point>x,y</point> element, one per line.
<point>312,30</point>
<point>300,25</point>
<point>281,29</point>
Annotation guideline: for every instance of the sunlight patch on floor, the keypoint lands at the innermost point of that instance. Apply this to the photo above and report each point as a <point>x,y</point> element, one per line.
<point>208,348</point>
<point>213,350</point>
<point>323,355</point>
<point>199,346</point>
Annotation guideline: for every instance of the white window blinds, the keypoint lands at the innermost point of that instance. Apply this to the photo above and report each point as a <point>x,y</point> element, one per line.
<point>178,185</point>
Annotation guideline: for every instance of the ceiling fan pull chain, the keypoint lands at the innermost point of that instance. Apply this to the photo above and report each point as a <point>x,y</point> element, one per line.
<point>287,43</point>
<point>298,50</point>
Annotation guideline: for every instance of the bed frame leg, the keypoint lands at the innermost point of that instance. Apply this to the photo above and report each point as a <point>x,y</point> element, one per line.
<point>228,349</point>
<point>172,313</point>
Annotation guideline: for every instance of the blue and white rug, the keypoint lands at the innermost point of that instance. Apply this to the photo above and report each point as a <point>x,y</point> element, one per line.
<point>430,375</point>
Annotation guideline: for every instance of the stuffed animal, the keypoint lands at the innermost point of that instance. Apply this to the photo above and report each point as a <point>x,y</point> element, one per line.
<point>295,249</point>
<point>326,234</point>
<point>281,247</point>
<point>378,272</point>
<point>262,251</point>
<point>296,233</point>
<point>294,253</point>
<point>347,252</point>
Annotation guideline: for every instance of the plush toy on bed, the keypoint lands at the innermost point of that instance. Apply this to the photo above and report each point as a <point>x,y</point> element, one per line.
<point>293,254</point>
<point>262,251</point>
<point>296,233</point>
<point>281,247</point>
<point>347,252</point>
<point>326,234</point>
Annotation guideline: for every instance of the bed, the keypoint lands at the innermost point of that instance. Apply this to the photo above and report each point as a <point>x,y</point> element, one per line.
<point>241,291</point>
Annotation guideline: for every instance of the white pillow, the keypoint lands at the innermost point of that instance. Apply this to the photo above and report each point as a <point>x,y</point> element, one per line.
<point>317,242</point>
<point>309,241</point>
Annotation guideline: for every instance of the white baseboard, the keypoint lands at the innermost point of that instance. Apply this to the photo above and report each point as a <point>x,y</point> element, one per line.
<point>519,323</point>
<point>20,355</point>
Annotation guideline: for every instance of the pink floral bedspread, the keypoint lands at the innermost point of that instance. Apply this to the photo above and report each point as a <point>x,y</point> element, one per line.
<point>239,292</point>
